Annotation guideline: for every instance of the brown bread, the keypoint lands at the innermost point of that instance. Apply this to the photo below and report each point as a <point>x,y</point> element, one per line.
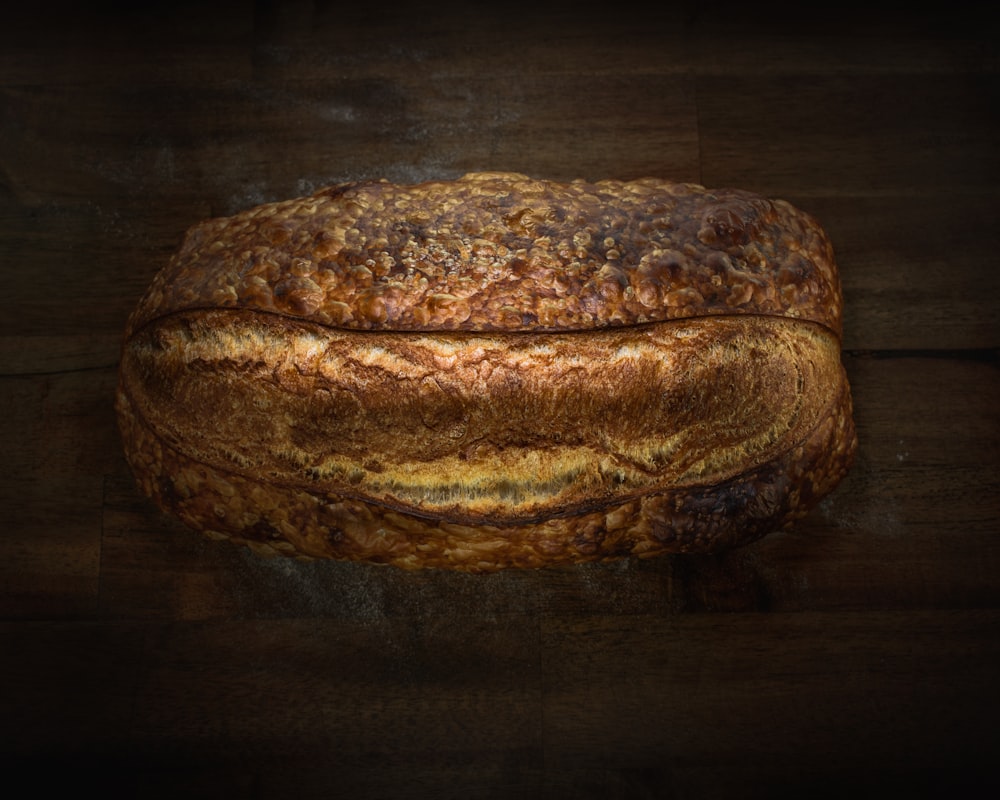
<point>491,372</point>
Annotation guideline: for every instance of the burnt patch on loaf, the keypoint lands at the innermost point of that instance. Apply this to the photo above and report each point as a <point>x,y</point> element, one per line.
<point>733,512</point>
<point>758,500</point>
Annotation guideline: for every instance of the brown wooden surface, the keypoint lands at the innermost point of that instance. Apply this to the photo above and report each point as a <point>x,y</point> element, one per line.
<point>857,655</point>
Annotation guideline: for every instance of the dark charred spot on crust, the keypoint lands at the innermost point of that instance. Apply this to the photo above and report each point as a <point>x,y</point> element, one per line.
<point>261,531</point>
<point>733,222</point>
<point>166,493</point>
<point>589,541</point>
<point>728,227</point>
<point>335,536</point>
<point>339,190</point>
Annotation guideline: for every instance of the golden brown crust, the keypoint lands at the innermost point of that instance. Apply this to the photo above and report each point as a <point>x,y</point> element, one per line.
<point>293,521</point>
<point>677,387</point>
<point>503,252</point>
<point>482,427</point>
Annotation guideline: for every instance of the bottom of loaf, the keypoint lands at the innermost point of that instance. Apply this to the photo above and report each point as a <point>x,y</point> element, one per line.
<point>291,521</point>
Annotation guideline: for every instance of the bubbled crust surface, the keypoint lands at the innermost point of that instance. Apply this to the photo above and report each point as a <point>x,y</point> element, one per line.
<point>504,252</point>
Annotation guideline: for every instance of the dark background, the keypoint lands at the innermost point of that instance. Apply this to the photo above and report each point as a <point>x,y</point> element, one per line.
<point>857,655</point>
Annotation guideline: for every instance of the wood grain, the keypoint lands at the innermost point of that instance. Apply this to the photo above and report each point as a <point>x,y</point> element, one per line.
<point>854,655</point>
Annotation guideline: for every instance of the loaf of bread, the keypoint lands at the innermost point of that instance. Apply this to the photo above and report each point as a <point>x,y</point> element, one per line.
<point>492,372</point>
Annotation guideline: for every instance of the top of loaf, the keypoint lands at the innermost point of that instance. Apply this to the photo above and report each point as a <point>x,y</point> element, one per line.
<point>505,252</point>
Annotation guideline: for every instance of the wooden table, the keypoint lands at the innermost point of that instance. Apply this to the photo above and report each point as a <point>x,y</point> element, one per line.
<point>856,655</point>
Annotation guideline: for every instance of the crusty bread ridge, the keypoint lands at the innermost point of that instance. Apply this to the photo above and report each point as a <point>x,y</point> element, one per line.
<point>491,372</point>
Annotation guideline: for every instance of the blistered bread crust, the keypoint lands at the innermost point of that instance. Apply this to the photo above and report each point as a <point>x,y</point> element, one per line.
<point>492,372</point>
<point>504,252</point>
